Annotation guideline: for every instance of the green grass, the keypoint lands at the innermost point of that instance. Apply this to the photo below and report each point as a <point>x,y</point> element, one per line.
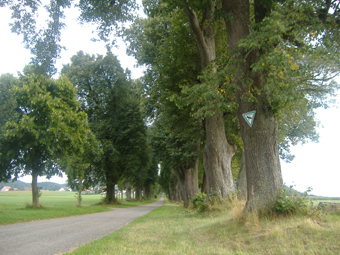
<point>54,205</point>
<point>171,230</point>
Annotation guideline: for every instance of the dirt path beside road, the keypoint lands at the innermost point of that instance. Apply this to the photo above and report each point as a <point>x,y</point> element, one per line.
<point>57,236</point>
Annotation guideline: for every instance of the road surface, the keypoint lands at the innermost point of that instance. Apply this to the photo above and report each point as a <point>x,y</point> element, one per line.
<point>57,236</point>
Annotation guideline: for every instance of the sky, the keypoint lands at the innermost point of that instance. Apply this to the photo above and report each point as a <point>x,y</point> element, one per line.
<point>315,164</point>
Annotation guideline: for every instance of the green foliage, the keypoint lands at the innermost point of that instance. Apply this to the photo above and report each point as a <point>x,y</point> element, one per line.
<point>113,107</point>
<point>199,202</point>
<point>42,40</point>
<point>47,126</point>
<point>108,15</point>
<point>290,202</point>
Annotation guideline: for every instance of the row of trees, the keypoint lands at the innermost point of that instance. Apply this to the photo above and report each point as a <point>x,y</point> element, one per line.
<point>87,123</point>
<point>207,63</point>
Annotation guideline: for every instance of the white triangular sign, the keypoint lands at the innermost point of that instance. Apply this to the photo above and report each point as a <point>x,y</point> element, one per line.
<point>249,117</point>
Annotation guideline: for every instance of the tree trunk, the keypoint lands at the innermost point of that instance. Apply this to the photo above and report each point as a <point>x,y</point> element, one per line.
<point>80,189</point>
<point>35,191</point>
<point>128,191</point>
<point>204,184</point>
<point>170,192</point>
<point>242,180</point>
<point>217,152</point>
<point>110,193</point>
<point>187,178</point>
<point>263,171</point>
<point>138,194</point>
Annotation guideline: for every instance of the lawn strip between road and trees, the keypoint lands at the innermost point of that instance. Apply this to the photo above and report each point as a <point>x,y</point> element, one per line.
<point>14,209</point>
<point>172,230</point>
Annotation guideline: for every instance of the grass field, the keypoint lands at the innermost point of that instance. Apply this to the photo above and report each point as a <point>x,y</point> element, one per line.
<point>55,204</point>
<point>171,230</point>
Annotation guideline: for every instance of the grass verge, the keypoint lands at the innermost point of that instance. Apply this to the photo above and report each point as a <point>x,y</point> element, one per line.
<point>13,207</point>
<point>171,230</point>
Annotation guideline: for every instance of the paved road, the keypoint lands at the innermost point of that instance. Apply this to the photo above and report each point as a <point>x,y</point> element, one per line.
<point>57,236</point>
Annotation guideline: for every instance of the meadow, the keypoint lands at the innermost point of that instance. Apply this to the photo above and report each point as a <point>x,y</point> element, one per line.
<point>172,230</point>
<point>14,209</point>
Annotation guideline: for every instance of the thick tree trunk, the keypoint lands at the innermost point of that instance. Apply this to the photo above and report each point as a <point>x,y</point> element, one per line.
<point>204,184</point>
<point>217,152</point>
<point>263,171</point>
<point>242,179</point>
<point>35,191</point>
<point>187,178</point>
<point>176,191</point>
<point>110,193</point>
<point>138,194</point>
<point>170,192</point>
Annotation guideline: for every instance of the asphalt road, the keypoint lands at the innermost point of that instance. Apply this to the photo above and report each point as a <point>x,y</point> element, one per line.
<point>57,236</point>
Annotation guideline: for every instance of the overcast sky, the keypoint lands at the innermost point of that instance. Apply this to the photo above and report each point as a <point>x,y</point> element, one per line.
<point>315,164</point>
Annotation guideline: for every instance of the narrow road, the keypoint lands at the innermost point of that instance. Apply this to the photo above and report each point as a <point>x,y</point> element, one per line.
<point>57,236</point>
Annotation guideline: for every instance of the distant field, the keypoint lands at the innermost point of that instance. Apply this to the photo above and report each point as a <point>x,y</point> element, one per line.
<point>317,200</point>
<point>55,204</point>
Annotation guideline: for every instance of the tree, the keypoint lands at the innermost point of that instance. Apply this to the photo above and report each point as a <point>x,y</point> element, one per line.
<point>80,167</point>
<point>273,65</point>
<point>218,153</point>
<point>44,40</point>
<point>161,42</point>
<point>270,64</point>
<point>114,115</point>
<point>47,126</point>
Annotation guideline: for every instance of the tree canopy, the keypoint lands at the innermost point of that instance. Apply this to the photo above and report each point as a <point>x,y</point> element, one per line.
<point>47,127</point>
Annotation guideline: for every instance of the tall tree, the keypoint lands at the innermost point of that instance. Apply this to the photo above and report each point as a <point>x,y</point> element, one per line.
<point>47,126</point>
<point>80,167</point>
<point>218,153</point>
<point>44,39</point>
<point>162,44</point>
<point>275,59</point>
<point>114,115</point>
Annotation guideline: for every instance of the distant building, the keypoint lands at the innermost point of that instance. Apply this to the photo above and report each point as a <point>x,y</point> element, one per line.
<point>28,189</point>
<point>65,189</point>
<point>6,188</point>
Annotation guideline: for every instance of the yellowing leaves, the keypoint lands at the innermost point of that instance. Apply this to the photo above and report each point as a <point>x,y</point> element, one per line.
<point>294,66</point>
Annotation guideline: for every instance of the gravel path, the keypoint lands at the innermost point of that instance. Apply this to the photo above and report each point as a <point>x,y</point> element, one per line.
<point>56,236</point>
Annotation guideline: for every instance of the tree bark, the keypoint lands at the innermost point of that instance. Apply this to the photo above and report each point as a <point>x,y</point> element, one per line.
<point>35,191</point>
<point>204,184</point>
<point>138,194</point>
<point>263,171</point>
<point>110,193</point>
<point>242,179</point>
<point>80,189</point>
<point>187,178</point>
<point>217,152</point>
<point>170,192</point>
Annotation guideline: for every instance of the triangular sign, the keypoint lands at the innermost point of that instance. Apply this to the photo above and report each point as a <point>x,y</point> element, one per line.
<point>249,117</point>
